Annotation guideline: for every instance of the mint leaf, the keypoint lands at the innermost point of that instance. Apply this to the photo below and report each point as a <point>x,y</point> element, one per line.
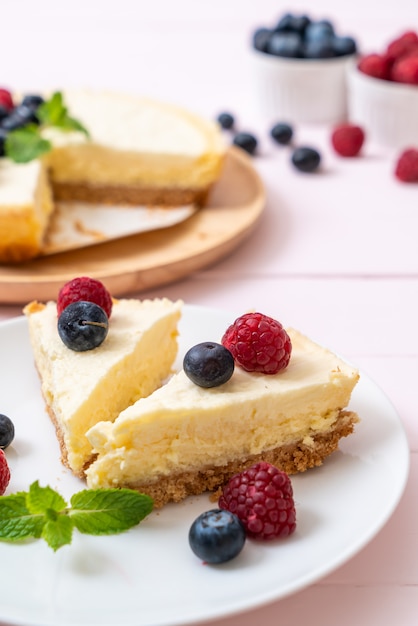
<point>43,513</point>
<point>58,532</point>
<point>25,144</point>
<point>53,112</point>
<point>41,499</point>
<point>16,521</point>
<point>107,511</point>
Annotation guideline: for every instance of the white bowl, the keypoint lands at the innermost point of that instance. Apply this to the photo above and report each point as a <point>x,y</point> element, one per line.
<point>387,111</point>
<point>301,90</point>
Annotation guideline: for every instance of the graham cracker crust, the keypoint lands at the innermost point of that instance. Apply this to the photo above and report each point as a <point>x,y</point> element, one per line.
<point>129,194</point>
<point>293,458</point>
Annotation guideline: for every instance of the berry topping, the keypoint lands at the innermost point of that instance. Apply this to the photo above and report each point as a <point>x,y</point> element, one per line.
<point>262,498</point>
<point>406,168</point>
<point>347,140</point>
<point>226,120</point>
<point>7,431</point>
<point>3,135</point>
<point>32,100</point>
<point>306,159</point>
<point>84,288</point>
<point>246,141</point>
<point>83,326</point>
<point>282,133</point>
<point>4,473</point>
<point>6,99</point>
<point>258,343</point>
<point>208,364</point>
<point>20,116</point>
<point>217,536</point>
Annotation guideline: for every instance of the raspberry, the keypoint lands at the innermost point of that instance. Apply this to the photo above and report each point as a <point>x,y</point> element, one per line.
<point>262,498</point>
<point>258,343</point>
<point>402,45</point>
<point>4,473</point>
<point>84,288</point>
<point>406,168</point>
<point>376,65</point>
<point>347,140</point>
<point>405,70</point>
<point>6,99</point>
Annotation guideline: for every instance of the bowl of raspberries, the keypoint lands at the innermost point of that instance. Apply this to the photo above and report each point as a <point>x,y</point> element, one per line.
<point>383,92</point>
<point>300,66</point>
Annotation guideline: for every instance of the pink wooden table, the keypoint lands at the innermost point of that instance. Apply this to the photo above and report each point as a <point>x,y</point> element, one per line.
<point>335,254</point>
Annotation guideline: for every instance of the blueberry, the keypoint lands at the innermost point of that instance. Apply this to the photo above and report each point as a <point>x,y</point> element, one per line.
<point>261,38</point>
<point>7,431</point>
<point>285,23</point>
<point>246,141</point>
<point>226,120</point>
<point>3,112</point>
<point>217,536</point>
<point>306,159</point>
<point>83,326</point>
<point>284,44</point>
<point>32,100</point>
<point>208,364</point>
<point>319,29</point>
<point>20,116</point>
<point>282,133</point>
<point>322,48</point>
<point>300,23</point>
<point>344,46</point>
<point>293,23</point>
<point>3,135</point>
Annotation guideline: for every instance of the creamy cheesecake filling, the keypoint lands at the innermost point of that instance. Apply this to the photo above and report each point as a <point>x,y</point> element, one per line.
<point>26,204</point>
<point>82,388</point>
<point>138,141</point>
<point>184,428</point>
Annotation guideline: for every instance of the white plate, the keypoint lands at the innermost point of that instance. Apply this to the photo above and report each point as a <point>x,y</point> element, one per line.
<point>149,576</point>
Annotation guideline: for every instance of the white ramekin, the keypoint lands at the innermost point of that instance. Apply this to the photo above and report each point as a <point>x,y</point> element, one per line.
<point>387,111</point>
<point>301,90</point>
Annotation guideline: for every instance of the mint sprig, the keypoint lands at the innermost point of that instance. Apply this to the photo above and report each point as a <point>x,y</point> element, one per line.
<point>26,143</point>
<point>43,513</point>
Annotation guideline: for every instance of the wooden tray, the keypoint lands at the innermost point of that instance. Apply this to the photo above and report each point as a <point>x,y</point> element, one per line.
<point>154,258</point>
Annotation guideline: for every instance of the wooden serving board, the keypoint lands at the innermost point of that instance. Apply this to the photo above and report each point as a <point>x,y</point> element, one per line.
<point>154,258</point>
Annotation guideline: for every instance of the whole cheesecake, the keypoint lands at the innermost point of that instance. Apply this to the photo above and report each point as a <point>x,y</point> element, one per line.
<point>83,388</point>
<point>138,152</point>
<point>184,439</point>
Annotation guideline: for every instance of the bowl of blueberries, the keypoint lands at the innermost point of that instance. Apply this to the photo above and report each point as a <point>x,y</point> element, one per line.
<point>300,66</point>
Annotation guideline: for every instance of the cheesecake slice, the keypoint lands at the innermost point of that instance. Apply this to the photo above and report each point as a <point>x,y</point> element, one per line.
<point>83,388</point>
<point>184,439</point>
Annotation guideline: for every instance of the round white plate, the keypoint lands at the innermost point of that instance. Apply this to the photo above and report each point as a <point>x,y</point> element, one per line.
<point>149,576</point>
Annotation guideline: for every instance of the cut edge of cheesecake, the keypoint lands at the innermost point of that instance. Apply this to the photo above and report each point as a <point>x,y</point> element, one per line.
<point>121,370</point>
<point>23,224</point>
<point>308,422</point>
